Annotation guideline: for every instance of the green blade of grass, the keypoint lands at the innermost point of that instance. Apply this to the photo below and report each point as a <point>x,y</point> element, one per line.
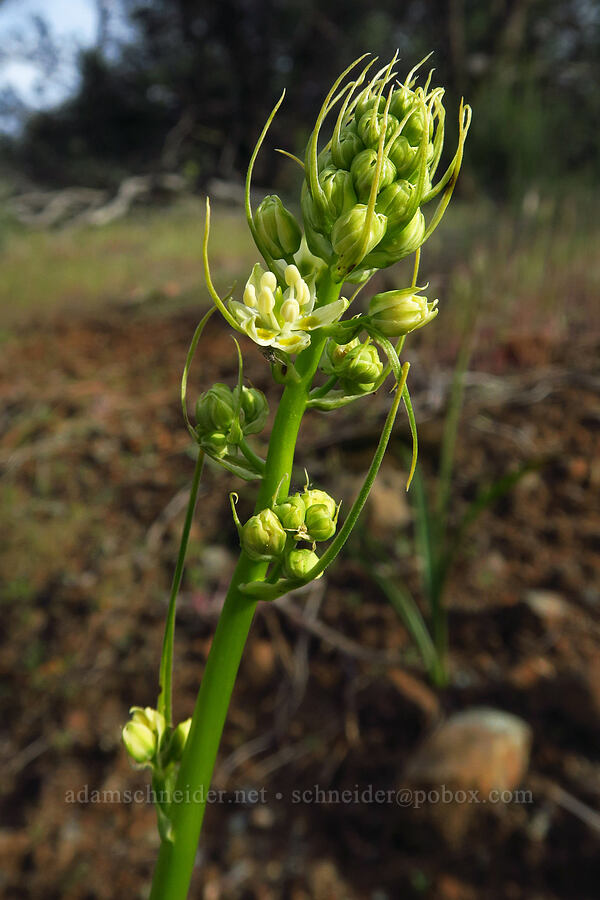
<point>404,604</point>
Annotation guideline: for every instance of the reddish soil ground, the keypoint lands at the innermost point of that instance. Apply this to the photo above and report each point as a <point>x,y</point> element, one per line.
<point>95,466</point>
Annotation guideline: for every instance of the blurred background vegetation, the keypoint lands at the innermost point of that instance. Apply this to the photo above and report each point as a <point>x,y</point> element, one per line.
<point>165,99</point>
<point>184,85</point>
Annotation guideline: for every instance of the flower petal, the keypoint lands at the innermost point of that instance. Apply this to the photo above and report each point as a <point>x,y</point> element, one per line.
<point>255,276</point>
<point>324,315</point>
<point>241,313</point>
<point>262,336</point>
<point>291,342</point>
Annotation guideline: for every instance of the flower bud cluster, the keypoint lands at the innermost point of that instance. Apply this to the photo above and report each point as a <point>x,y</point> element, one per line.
<point>150,743</point>
<point>224,418</point>
<point>357,365</point>
<point>361,201</point>
<point>362,196</point>
<point>310,516</point>
<point>272,534</point>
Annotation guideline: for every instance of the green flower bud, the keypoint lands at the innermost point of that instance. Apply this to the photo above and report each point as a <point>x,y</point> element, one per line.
<point>414,128</point>
<point>414,120</point>
<point>362,365</point>
<point>314,497</point>
<point>143,733</point>
<point>149,717</point>
<point>291,512</point>
<point>215,443</point>
<point>363,170</point>
<point>319,523</point>
<point>140,742</point>
<point>370,127</point>
<point>394,202</point>
<point>344,151</point>
<point>262,537</point>
<point>403,100</point>
<point>347,238</point>
<point>255,410</point>
<point>355,388</point>
<point>277,228</point>
<point>324,159</point>
<point>178,740</point>
<point>335,355</point>
<point>399,244</point>
<point>339,191</point>
<point>314,226</point>
<point>404,156</point>
<point>397,312</point>
<point>214,409</point>
<point>366,103</point>
<point>298,563</point>
<point>354,362</point>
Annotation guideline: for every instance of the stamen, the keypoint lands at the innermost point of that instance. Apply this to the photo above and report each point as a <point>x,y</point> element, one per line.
<point>292,275</point>
<point>250,296</point>
<point>290,310</point>
<point>303,292</point>
<point>266,302</point>
<point>268,280</point>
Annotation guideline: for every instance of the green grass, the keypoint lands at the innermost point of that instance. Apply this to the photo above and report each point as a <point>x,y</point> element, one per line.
<point>525,267</point>
<point>150,255</point>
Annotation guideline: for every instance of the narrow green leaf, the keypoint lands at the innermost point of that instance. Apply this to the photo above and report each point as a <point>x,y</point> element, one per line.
<point>406,607</point>
<point>486,498</point>
<point>413,432</point>
<point>186,369</point>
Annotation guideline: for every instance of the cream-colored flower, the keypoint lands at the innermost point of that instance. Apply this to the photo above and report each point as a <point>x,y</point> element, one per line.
<point>282,319</point>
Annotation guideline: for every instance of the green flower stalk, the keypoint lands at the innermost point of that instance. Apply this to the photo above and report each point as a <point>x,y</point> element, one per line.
<point>362,203</point>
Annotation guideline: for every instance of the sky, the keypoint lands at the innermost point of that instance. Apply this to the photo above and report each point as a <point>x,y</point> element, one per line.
<point>72,22</point>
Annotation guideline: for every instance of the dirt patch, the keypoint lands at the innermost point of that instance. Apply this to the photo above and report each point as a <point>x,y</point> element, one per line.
<point>96,463</point>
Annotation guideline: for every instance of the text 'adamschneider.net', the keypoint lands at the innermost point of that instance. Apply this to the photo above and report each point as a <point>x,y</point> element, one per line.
<point>359,794</point>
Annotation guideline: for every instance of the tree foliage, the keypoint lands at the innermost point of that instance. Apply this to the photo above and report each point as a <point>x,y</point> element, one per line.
<point>189,84</point>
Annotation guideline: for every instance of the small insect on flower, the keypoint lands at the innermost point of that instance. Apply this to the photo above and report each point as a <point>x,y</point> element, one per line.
<point>282,319</point>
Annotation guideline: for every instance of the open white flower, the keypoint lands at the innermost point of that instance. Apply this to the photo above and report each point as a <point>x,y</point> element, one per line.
<point>282,319</point>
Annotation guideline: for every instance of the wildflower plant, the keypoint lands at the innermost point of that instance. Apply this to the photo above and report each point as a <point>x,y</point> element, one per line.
<point>364,202</point>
